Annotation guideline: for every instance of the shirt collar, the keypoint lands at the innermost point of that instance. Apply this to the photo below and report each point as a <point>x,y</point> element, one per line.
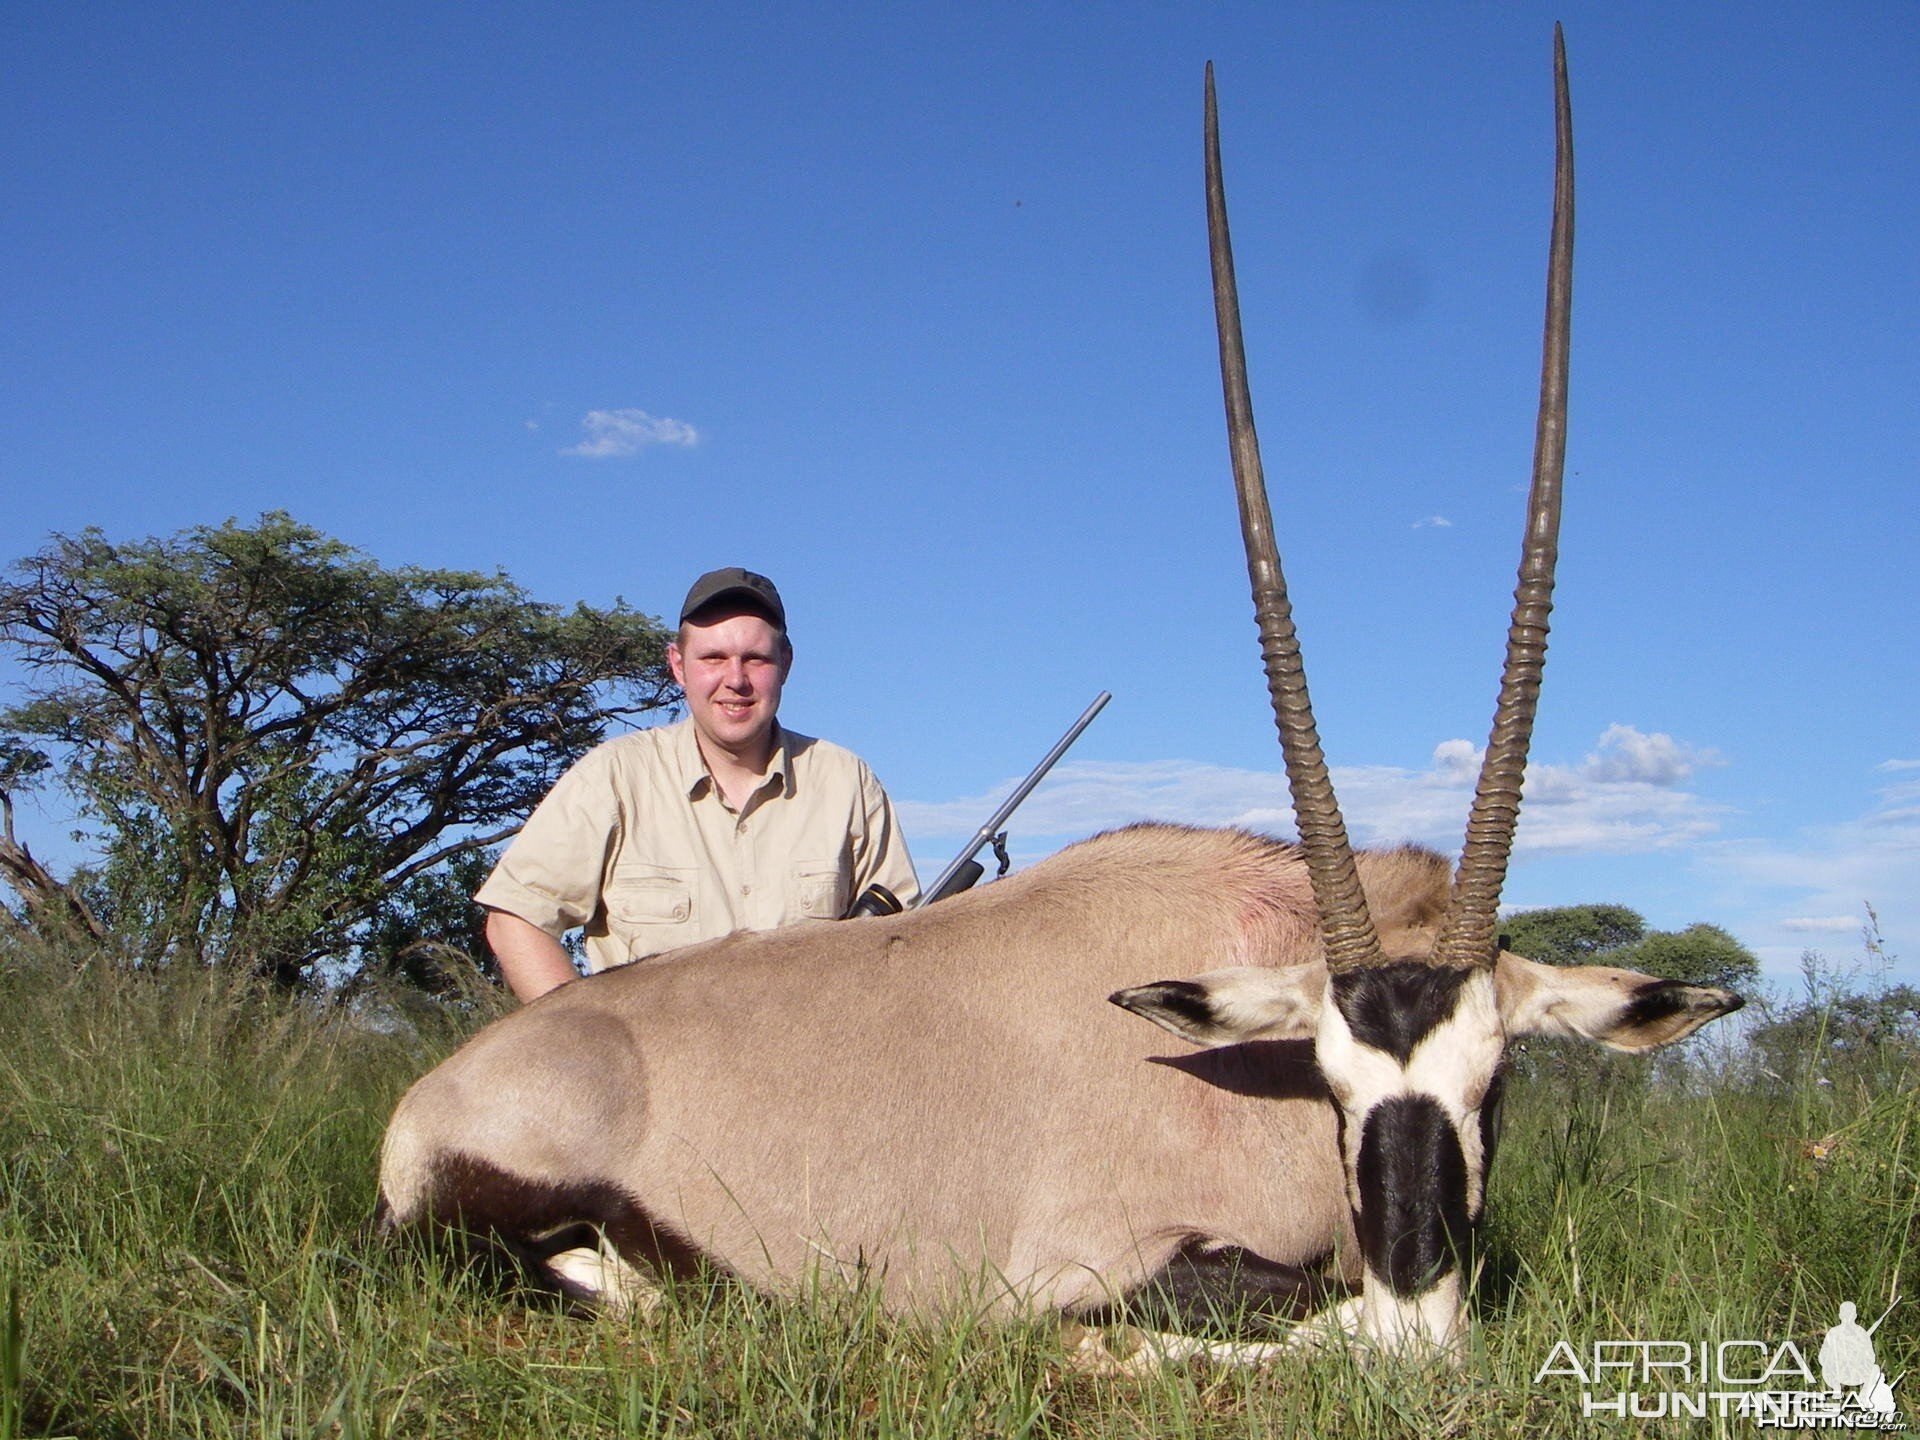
<point>692,766</point>
<point>781,762</point>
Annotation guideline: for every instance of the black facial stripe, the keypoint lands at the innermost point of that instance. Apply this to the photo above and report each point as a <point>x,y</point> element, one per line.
<point>1394,1007</point>
<point>1340,1140</point>
<point>1489,1134</point>
<point>1414,1225</point>
<point>1340,1137</point>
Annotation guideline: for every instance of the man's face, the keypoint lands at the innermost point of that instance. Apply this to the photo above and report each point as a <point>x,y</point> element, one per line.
<point>731,666</point>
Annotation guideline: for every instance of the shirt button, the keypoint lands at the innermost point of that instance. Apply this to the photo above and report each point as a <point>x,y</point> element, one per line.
<point>746,889</point>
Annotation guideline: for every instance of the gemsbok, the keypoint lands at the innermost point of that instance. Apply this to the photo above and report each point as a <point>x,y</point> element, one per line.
<point>937,1101</point>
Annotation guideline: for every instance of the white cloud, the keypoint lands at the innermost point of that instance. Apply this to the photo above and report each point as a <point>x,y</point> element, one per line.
<point>1890,766</point>
<point>1823,924</point>
<point>1874,857</point>
<point>617,434</point>
<point>1805,883</point>
<point>1631,796</point>
<point>1625,798</point>
<point>1433,522</point>
<point>1459,759</point>
<point>1626,755</point>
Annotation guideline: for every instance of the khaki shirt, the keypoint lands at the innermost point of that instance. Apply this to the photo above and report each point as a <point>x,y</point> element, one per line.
<point>636,844</point>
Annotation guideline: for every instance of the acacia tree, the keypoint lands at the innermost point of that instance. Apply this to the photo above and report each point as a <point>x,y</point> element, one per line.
<point>1701,954</point>
<point>286,753</point>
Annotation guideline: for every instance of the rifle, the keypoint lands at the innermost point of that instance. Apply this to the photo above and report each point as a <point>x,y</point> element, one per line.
<point>963,870</point>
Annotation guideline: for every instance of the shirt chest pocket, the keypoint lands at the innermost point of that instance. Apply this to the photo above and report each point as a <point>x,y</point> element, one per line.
<point>818,890</point>
<point>640,896</point>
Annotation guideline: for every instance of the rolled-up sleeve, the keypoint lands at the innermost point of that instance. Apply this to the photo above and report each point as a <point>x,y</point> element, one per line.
<point>550,875</point>
<point>880,853</point>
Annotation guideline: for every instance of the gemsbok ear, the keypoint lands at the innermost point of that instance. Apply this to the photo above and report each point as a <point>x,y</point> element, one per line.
<point>1619,1008</point>
<point>1224,1007</point>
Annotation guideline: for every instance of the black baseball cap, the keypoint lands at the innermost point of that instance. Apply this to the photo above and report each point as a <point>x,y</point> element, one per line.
<point>733,583</point>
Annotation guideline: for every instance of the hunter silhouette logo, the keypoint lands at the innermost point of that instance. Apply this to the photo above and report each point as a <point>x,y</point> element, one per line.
<point>1847,1365</point>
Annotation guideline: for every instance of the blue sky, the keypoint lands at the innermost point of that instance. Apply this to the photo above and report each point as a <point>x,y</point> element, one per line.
<point>907,306</point>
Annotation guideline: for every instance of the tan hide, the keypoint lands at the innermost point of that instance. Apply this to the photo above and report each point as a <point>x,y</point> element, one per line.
<point>941,1100</point>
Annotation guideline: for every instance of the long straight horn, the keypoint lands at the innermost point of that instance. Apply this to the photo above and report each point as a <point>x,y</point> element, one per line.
<point>1345,924</point>
<point>1467,936</point>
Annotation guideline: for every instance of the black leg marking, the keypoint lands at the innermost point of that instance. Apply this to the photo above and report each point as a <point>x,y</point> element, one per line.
<point>506,1216</point>
<point>1224,1292</point>
<point>1414,1226</point>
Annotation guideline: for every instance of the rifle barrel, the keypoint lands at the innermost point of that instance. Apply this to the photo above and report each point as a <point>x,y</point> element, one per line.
<point>1025,788</point>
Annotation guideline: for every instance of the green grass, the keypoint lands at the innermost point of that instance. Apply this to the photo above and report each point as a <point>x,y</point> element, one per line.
<point>186,1171</point>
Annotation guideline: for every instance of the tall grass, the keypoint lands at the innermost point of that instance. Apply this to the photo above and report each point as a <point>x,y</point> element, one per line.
<point>186,1169</point>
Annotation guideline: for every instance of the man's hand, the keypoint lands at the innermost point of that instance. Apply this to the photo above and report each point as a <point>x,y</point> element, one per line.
<point>531,961</point>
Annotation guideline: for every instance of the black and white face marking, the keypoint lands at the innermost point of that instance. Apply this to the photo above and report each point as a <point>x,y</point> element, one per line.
<point>1410,1054</point>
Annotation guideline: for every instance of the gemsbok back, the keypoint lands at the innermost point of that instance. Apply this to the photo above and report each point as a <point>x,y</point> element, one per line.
<point>934,1102</point>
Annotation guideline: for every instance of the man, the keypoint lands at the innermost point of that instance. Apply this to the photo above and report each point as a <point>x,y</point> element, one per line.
<point>724,821</point>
